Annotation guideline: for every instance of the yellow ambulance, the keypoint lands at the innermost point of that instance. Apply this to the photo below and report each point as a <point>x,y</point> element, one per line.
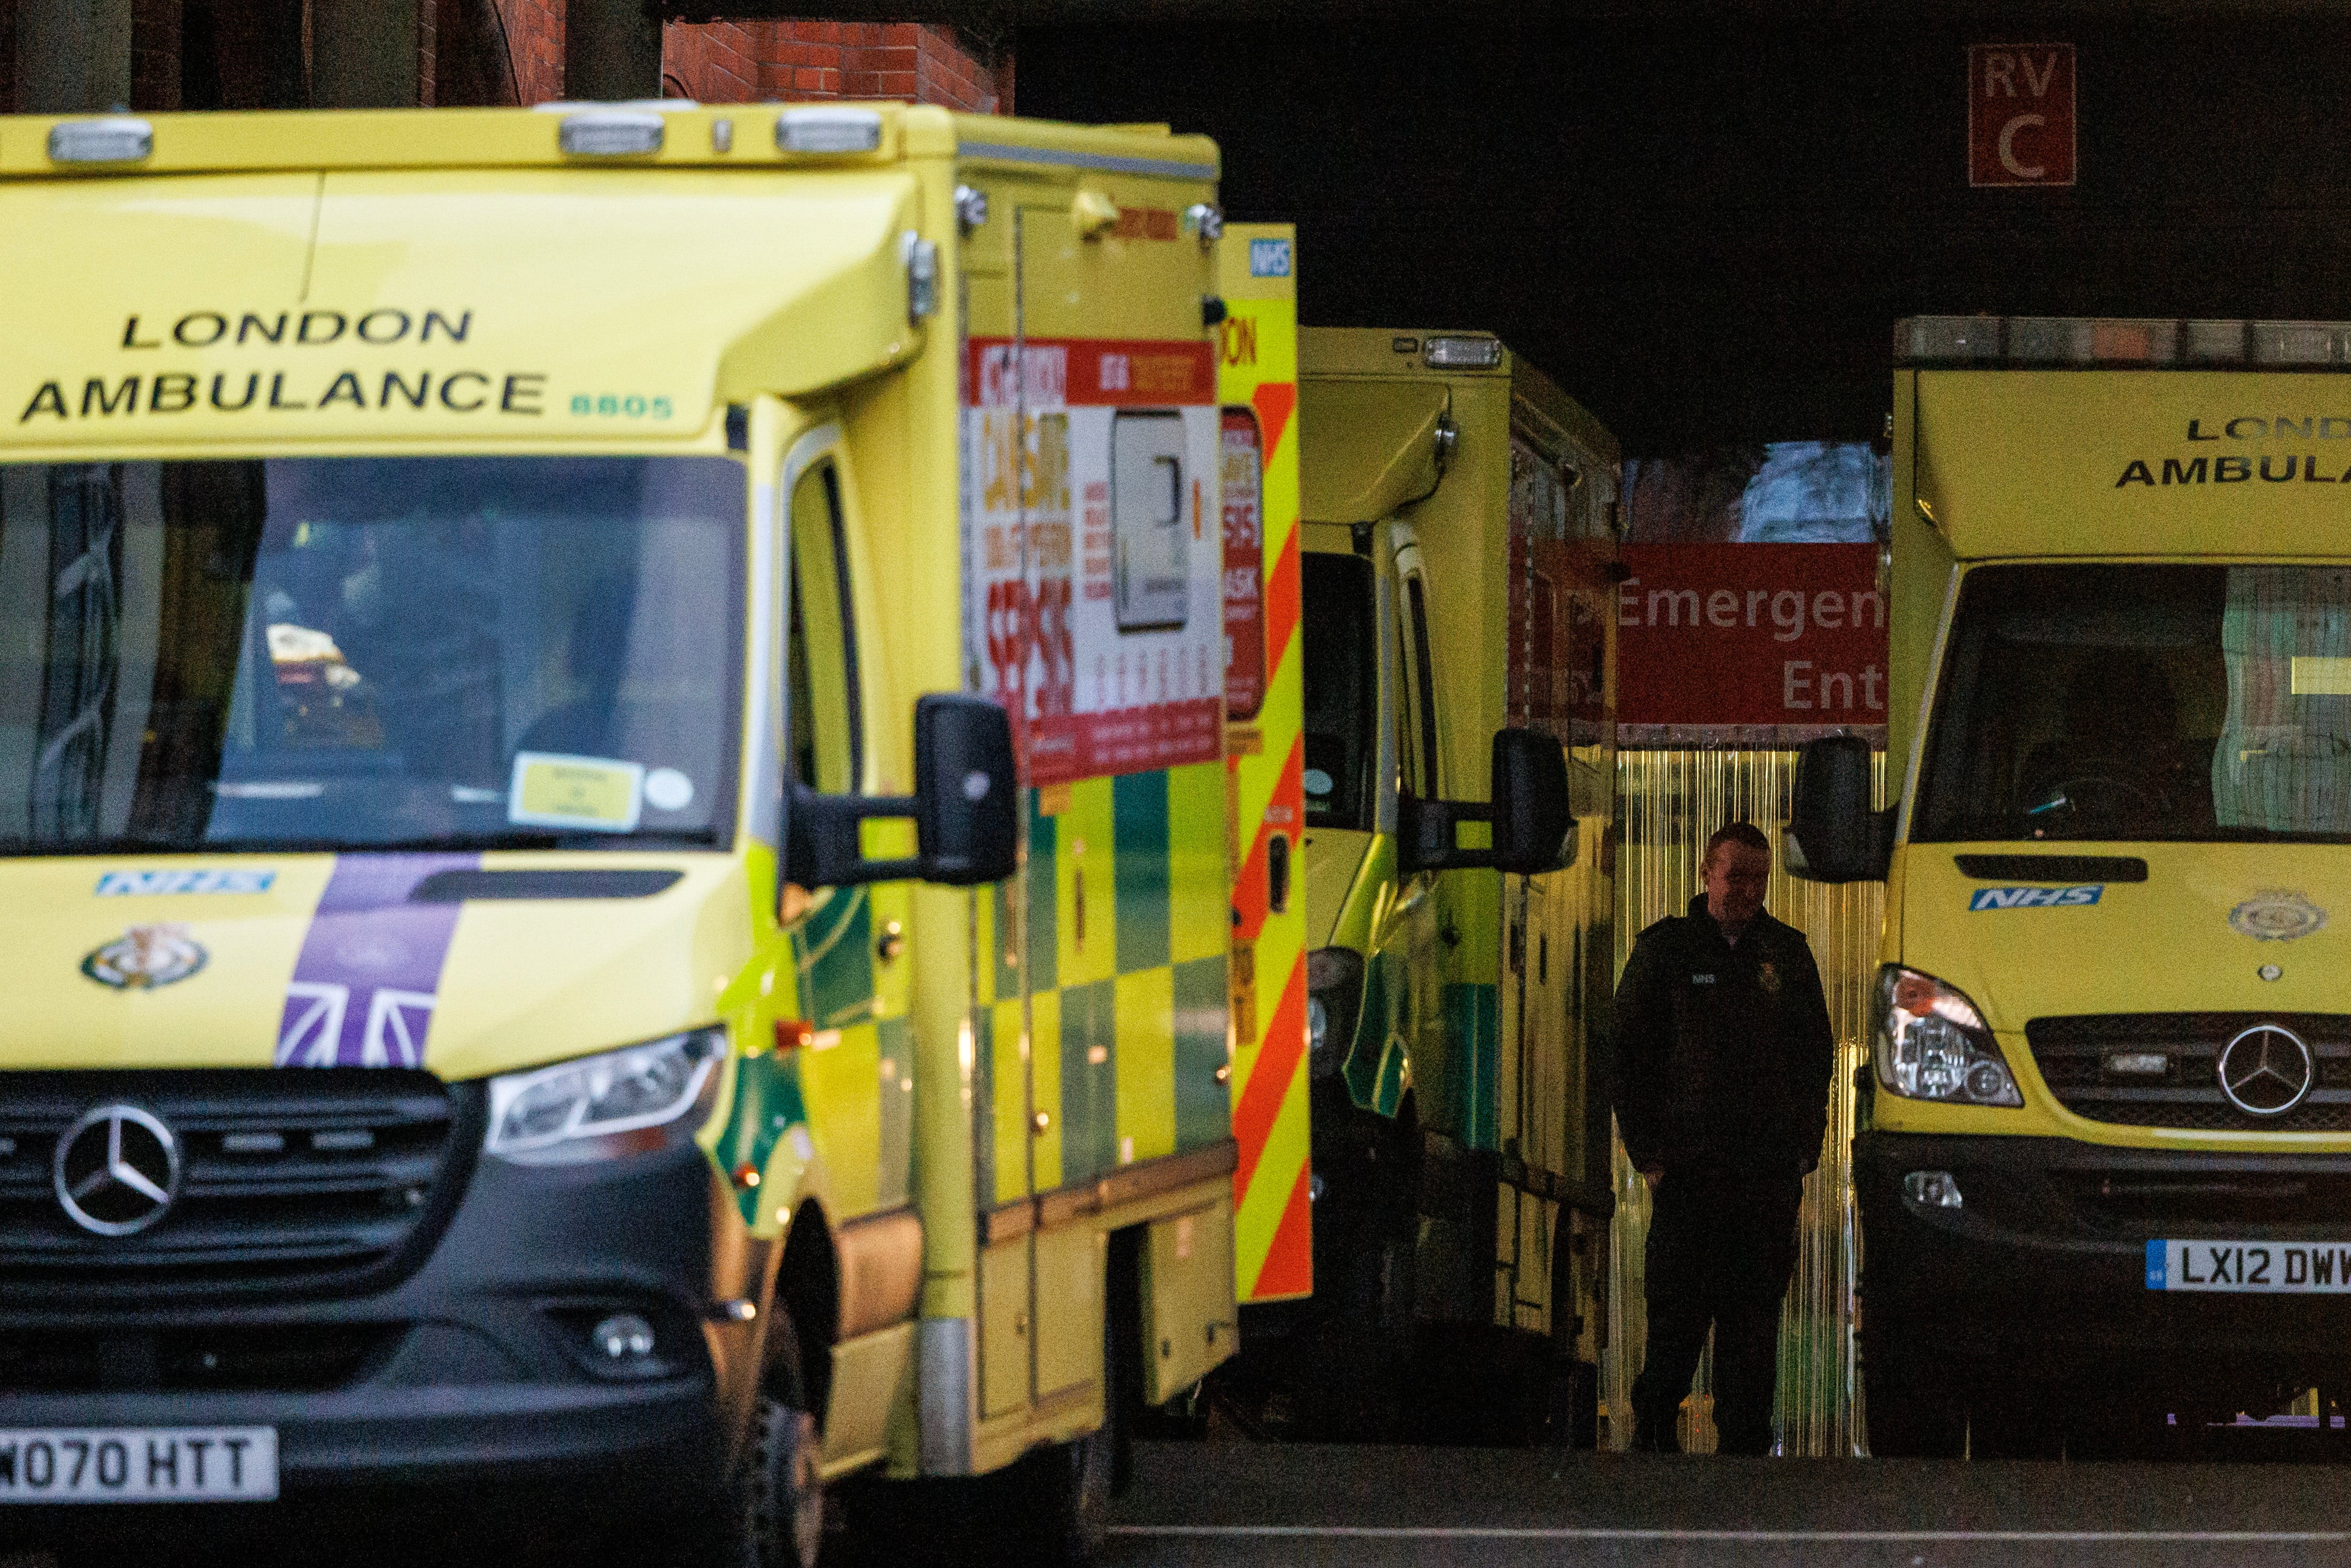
<point>1459,535</point>
<point>611,754</point>
<point>2106,1135</point>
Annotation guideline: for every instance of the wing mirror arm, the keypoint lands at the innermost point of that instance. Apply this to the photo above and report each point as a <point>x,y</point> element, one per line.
<point>966,808</point>
<point>1528,809</point>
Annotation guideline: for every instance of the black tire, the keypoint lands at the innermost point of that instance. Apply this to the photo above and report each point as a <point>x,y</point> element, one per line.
<point>1909,1417</point>
<point>772,1513</point>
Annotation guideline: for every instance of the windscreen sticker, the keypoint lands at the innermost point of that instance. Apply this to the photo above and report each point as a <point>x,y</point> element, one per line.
<point>160,883</point>
<point>597,794</point>
<point>364,987</point>
<point>2036,898</point>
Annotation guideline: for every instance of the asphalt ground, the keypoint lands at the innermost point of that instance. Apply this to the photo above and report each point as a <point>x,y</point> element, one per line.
<point>1301,1506</point>
<point>1305,1506</point>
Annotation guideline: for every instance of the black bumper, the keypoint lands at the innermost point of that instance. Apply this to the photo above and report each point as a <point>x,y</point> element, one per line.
<point>2042,1267</point>
<point>477,1367</point>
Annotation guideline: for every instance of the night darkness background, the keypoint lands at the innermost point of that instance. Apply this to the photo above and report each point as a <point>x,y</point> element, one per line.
<point>1705,228</point>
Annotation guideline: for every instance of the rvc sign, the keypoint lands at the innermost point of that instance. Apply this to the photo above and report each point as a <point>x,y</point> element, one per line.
<point>2021,102</point>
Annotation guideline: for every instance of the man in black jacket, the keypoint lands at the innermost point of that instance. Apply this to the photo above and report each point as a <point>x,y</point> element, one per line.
<point>1724,1054</point>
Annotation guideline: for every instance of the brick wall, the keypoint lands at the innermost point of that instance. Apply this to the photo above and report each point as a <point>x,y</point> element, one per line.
<point>803,58</point>
<point>534,30</point>
<point>246,54</point>
<point>713,62</point>
<point>469,65</point>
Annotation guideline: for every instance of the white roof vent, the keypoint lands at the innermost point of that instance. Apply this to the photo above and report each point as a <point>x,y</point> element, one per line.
<point>610,133</point>
<point>118,139</point>
<point>825,129</point>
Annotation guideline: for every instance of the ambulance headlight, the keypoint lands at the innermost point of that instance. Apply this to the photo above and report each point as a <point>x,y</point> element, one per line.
<point>1334,999</point>
<point>627,1101</point>
<point>1930,1043</point>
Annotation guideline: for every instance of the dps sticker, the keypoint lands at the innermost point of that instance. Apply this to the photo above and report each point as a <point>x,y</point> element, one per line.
<point>146,957</point>
<point>594,793</point>
<point>2036,898</point>
<point>2274,915</point>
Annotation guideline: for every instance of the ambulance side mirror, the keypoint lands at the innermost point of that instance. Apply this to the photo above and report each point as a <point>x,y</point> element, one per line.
<point>1533,811</point>
<point>1833,835</point>
<point>966,791</point>
<point>1529,808</point>
<point>966,808</point>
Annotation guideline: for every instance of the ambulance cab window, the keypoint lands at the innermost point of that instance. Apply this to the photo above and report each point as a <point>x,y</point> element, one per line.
<point>2143,702</point>
<point>1341,689</point>
<point>827,750</point>
<point>369,652</point>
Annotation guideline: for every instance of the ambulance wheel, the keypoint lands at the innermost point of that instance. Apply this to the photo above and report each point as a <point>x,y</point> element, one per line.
<point>773,1514</point>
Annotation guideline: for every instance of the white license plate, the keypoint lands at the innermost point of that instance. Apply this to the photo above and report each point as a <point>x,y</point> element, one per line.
<point>138,1464</point>
<point>2254,1268</point>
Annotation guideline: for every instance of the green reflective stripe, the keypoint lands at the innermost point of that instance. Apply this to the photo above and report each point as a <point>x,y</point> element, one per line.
<point>1472,1046</point>
<point>767,1104</point>
<point>834,950</point>
<point>1138,818</point>
<point>1044,956</point>
<point>1203,1107</point>
<point>896,1041</point>
<point>1089,1088</point>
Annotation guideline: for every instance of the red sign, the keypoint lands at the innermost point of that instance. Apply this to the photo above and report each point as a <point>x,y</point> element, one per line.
<point>1715,635</point>
<point>2021,114</point>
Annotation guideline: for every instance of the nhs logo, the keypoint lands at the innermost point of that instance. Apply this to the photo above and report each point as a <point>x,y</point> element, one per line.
<point>2035,897</point>
<point>1269,259</point>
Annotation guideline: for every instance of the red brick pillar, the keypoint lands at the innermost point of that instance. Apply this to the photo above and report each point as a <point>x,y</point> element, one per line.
<point>804,59</point>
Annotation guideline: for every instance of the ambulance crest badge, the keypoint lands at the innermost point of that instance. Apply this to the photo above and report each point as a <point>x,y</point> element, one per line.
<point>2275,915</point>
<point>146,957</point>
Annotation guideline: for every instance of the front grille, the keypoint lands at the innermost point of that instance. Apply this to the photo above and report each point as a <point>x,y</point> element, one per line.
<point>2143,1201</point>
<point>2072,1054</point>
<point>281,1358</point>
<point>293,1181</point>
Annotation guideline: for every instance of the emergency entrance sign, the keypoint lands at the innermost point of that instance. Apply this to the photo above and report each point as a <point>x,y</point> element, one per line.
<point>2021,114</point>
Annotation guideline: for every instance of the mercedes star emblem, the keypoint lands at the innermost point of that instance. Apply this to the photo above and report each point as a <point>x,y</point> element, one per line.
<point>2267,1071</point>
<point>117,1170</point>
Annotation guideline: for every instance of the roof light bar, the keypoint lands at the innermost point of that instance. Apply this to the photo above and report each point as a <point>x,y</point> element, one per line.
<point>825,129</point>
<point>1462,353</point>
<point>2063,341</point>
<point>112,140</point>
<point>610,133</point>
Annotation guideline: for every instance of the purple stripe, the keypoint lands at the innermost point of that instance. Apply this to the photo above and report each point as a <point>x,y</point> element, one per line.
<point>364,986</point>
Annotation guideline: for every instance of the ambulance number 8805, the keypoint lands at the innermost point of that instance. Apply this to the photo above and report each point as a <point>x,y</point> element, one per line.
<point>617,406</point>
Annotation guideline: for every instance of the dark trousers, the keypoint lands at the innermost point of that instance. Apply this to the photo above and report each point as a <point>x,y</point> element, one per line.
<point>1722,1247</point>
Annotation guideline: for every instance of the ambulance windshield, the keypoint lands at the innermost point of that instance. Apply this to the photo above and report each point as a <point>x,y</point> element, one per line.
<point>1341,689</point>
<point>369,652</point>
<point>2202,703</point>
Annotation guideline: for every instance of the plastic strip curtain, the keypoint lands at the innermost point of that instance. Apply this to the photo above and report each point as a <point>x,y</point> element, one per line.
<point>1669,803</point>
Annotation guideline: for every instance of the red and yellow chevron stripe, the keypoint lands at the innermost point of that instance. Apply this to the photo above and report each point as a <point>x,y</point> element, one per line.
<point>1265,752</point>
